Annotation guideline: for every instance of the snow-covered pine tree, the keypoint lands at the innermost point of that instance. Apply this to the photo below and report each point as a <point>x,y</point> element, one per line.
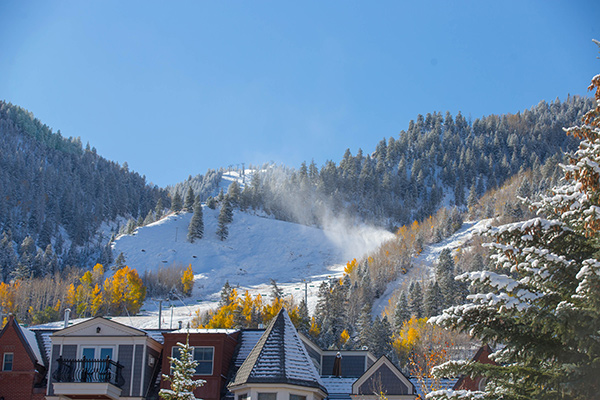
<point>541,304</point>
<point>159,209</point>
<point>188,204</point>
<point>183,369</point>
<point>401,313</point>
<point>196,228</point>
<point>225,217</point>
<point>176,203</point>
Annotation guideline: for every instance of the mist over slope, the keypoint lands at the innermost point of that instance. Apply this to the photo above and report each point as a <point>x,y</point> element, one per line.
<point>257,250</point>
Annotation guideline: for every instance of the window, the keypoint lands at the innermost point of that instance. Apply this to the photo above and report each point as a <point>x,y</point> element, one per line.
<point>297,397</point>
<point>267,396</point>
<point>204,357</point>
<point>97,353</point>
<point>7,364</point>
<point>243,396</point>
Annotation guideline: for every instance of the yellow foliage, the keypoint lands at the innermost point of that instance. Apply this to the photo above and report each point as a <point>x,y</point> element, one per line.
<point>187,280</point>
<point>315,329</point>
<point>350,266</point>
<point>344,337</point>
<point>7,297</point>
<point>71,296</point>
<point>124,291</point>
<point>97,300</point>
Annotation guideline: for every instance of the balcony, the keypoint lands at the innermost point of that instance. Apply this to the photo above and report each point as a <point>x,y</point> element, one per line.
<point>101,379</point>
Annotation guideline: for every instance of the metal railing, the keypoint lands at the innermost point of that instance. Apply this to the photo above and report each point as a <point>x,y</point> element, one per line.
<point>88,370</point>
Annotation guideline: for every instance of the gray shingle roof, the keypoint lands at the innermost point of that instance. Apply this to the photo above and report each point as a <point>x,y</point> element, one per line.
<point>279,357</point>
<point>248,339</point>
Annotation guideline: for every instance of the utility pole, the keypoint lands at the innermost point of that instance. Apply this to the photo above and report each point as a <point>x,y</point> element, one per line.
<point>306,293</point>
<point>159,313</point>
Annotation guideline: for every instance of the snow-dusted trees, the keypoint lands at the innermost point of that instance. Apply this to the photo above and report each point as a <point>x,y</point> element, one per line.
<point>183,370</point>
<point>196,227</point>
<point>188,204</point>
<point>176,203</point>
<point>541,303</point>
<point>225,217</point>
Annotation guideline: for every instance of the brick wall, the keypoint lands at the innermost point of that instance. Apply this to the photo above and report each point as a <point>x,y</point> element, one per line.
<point>18,383</point>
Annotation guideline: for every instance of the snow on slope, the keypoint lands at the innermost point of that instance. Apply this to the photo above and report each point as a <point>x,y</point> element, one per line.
<point>423,264</point>
<point>257,250</point>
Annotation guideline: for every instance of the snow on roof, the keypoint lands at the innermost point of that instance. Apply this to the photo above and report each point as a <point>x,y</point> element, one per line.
<point>46,342</point>
<point>191,331</point>
<point>443,384</point>
<point>249,338</point>
<point>336,385</point>
<point>279,357</point>
<point>33,344</point>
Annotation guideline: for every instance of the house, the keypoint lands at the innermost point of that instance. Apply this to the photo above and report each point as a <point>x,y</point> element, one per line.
<point>23,370</point>
<point>477,383</point>
<point>213,350</point>
<point>286,365</point>
<point>102,359</point>
<point>278,367</point>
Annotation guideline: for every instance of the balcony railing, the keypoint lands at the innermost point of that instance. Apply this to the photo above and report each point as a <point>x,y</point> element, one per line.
<point>91,371</point>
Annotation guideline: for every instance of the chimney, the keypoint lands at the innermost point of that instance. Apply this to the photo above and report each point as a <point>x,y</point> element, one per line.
<point>67,315</point>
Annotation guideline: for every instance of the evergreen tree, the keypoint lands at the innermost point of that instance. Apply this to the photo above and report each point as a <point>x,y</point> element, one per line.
<point>303,318</point>
<point>276,291</point>
<point>176,203</point>
<point>196,228</point>
<point>444,276</point>
<point>541,300</point>
<point>8,259</point>
<point>188,204</point>
<point>211,203</point>
<point>415,304</point>
<point>226,292</point>
<point>433,301</point>
<point>120,261</point>
<point>381,337</point>
<point>149,218</point>
<point>234,193</point>
<point>183,370</point>
<point>401,313</point>
<point>225,217</point>
<point>159,209</point>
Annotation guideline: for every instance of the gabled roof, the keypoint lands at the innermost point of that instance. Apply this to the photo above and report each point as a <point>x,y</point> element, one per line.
<point>279,357</point>
<point>107,328</point>
<point>384,376</point>
<point>27,338</point>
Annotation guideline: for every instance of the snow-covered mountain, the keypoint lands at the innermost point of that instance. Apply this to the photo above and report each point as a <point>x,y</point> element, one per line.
<point>257,250</point>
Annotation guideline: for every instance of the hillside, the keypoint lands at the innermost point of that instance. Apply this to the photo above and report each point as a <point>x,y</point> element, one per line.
<point>56,196</point>
<point>257,250</point>
<point>438,161</point>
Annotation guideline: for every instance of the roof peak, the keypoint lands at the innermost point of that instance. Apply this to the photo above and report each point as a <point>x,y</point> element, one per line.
<point>279,357</point>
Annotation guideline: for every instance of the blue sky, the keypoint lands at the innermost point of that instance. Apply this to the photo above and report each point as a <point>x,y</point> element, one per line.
<point>175,88</point>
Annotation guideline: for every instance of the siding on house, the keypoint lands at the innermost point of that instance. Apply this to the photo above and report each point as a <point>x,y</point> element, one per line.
<point>383,380</point>
<point>224,344</point>
<point>125,359</point>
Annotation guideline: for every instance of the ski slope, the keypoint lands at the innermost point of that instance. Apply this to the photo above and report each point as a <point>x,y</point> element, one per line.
<point>257,250</point>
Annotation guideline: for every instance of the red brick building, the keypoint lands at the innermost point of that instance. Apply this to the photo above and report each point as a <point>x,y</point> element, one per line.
<point>213,349</point>
<point>478,382</point>
<point>22,370</point>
